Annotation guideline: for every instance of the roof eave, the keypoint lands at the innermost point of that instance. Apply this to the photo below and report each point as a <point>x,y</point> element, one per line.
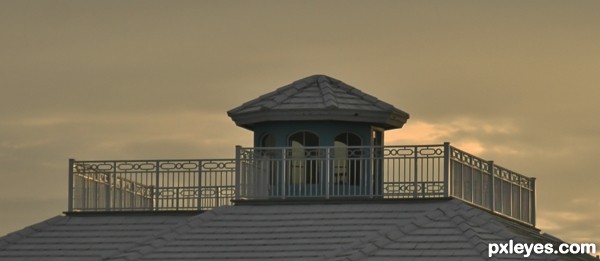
<point>386,120</point>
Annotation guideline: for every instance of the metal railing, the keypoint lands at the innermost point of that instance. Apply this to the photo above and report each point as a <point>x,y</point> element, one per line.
<point>493,187</point>
<point>330,172</point>
<point>150,185</point>
<point>383,172</point>
<point>342,172</point>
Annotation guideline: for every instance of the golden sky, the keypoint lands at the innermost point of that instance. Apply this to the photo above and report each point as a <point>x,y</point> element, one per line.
<point>517,82</point>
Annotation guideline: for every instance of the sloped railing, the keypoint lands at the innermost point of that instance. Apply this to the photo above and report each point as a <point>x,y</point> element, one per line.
<point>492,187</point>
<point>150,185</point>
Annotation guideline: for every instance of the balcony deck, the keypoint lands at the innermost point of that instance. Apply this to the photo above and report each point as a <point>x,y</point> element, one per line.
<point>312,173</point>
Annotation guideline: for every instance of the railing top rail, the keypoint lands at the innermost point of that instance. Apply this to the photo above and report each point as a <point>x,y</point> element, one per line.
<point>467,153</point>
<point>495,165</point>
<point>151,160</point>
<point>352,147</point>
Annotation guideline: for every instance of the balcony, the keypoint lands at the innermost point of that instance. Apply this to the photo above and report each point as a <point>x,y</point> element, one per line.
<point>301,173</point>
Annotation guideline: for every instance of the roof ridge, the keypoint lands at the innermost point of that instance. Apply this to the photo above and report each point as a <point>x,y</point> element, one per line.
<point>465,224</point>
<point>327,93</point>
<point>366,246</point>
<point>155,241</point>
<point>503,228</point>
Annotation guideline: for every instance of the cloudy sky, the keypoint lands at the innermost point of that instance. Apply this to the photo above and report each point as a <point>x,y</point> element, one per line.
<point>517,82</point>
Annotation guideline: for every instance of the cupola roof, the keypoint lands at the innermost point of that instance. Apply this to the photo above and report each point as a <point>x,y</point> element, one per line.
<point>318,97</point>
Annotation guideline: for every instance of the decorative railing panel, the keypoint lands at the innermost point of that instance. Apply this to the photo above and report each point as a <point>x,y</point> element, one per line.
<point>151,185</point>
<point>413,171</point>
<point>492,187</point>
<point>333,172</point>
<point>342,172</point>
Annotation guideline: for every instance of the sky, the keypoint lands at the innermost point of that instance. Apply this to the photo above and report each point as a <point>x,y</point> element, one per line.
<point>517,82</point>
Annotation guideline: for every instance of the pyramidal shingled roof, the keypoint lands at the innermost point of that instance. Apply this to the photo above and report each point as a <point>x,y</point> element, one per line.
<point>318,97</point>
<point>436,229</point>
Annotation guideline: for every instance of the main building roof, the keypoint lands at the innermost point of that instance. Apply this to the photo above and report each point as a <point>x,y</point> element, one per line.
<point>443,229</point>
<point>318,97</point>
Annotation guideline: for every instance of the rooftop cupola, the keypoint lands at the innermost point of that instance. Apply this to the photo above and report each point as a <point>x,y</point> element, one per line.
<point>316,136</point>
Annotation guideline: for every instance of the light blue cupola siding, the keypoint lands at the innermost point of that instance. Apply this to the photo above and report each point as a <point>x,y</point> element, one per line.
<point>327,131</point>
<point>315,126</point>
<point>334,137</point>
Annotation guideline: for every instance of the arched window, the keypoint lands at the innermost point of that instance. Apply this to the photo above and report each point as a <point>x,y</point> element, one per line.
<point>348,138</point>
<point>347,161</point>
<point>304,169</point>
<point>303,138</point>
<point>268,140</point>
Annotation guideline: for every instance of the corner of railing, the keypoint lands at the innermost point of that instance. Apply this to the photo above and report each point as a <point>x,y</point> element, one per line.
<point>447,169</point>
<point>238,158</point>
<point>533,201</point>
<point>70,190</point>
<point>492,190</point>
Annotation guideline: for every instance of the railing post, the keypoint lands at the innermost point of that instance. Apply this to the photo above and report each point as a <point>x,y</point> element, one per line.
<point>328,172</point>
<point>238,170</point>
<point>107,188</point>
<point>447,169</point>
<point>492,194</point>
<point>416,174</point>
<point>369,166</point>
<point>533,201</point>
<point>70,192</point>
<point>157,187</point>
<point>199,203</point>
<point>114,189</point>
<point>283,173</point>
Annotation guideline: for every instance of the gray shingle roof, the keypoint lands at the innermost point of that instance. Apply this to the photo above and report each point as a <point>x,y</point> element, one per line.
<point>318,97</point>
<point>83,237</point>
<point>411,230</point>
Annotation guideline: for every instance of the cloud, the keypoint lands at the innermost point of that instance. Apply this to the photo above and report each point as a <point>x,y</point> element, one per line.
<point>574,221</point>
<point>470,134</point>
<point>38,121</point>
<point>567,216</point>
<point>418,132</point>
